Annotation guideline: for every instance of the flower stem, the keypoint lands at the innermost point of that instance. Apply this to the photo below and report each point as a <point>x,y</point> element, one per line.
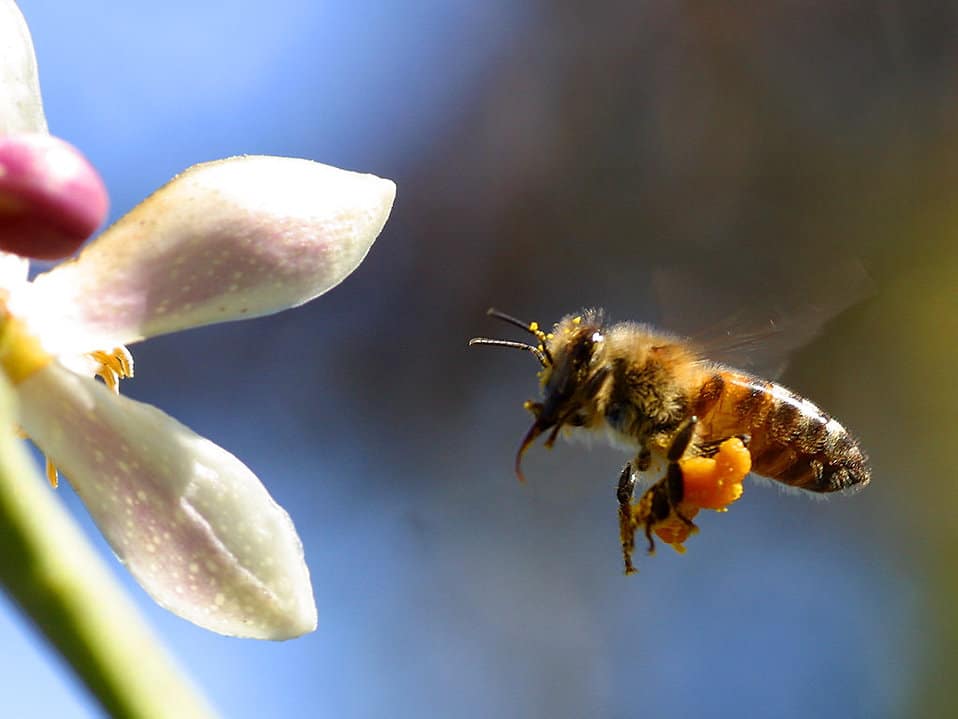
<point>58,580</point>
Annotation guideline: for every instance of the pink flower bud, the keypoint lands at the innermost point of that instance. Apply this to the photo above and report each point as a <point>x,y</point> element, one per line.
<point>51,198</point>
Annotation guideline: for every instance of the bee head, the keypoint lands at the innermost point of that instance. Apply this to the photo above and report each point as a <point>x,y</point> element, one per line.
<point>566,356</point>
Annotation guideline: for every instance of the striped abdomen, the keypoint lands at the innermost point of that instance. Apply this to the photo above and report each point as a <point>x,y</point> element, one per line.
<point>791,440</point>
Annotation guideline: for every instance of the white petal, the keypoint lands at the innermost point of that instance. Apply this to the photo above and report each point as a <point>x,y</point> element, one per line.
<point>193,524</point>
<point>225,240</point>
<point>13,271</point>
<point>21,109</point>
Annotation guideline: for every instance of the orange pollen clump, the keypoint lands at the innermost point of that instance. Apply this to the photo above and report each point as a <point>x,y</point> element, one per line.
<point>674,531</point>
<point>716,482</point>
<point>708,483</point>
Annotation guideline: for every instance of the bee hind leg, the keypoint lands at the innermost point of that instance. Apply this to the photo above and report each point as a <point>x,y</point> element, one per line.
<point>682,439</point>
<point>675,490</point>
<point>675,485</point>
<point>710,449</point>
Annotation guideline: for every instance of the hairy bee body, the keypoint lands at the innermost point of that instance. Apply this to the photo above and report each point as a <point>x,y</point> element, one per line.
<point>645,385</point>
<point>656,393</point>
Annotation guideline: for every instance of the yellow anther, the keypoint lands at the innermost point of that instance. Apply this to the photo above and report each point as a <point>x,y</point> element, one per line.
<point>125,359</point>
<point>577,320</point>
<point>52,475</point>
<point>113,366</point>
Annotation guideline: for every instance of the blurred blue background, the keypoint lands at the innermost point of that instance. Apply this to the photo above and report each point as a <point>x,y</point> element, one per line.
<point>550,157</point>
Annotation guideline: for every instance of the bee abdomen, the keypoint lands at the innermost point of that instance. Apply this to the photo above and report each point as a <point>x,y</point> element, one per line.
<point>791,439</point>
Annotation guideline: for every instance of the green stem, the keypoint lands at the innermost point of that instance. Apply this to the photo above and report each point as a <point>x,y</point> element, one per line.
<point>50,570</point>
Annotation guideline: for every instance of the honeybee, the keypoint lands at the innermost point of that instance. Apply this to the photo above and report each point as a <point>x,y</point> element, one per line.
<point>654,393</point>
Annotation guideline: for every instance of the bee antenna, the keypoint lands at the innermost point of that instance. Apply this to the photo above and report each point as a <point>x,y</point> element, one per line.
<point>540,355</point>
<point>515,321</point>
<point>530,327</point>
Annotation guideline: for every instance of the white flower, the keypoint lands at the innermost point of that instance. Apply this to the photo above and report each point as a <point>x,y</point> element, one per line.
<point>225,240</point>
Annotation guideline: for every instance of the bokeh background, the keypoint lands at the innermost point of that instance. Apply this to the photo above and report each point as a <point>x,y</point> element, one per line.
<point>553,155</point>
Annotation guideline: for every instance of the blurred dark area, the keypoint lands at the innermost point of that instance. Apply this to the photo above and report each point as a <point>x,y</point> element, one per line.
<point>751,150</point>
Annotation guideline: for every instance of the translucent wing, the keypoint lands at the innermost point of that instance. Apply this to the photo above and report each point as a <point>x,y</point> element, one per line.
<point>758,329</point>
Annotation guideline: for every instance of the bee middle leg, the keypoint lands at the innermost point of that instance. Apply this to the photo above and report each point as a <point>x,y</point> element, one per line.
<point>661,500</point>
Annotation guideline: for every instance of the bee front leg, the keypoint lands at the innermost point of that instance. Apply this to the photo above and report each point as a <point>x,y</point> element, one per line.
<point>624,493</point>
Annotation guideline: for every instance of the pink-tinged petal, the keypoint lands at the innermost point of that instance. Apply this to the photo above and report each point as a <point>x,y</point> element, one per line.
<point>193,524</point>
<point>21,109</point>
<point>225,240</point>
<point>51,198</point>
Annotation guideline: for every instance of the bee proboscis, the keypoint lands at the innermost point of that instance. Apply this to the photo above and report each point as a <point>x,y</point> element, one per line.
<point>653,392</point>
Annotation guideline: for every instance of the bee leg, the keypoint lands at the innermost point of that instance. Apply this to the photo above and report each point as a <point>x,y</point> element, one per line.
<point>624,493</point>
<point>710,449</point>
<point>653,507</point>
<point>663,498</point>
<point>682,439</point>
<point>648,536</point>
<point>675,490</point>
<point>673,478</point>
<point>644,460</point>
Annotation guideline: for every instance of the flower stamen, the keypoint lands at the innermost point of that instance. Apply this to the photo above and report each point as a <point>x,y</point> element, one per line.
<point>113,366</point>
<point>52,475</point>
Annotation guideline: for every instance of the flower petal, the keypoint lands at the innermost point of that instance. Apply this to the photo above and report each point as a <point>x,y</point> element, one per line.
<point>13,271</point>
<point>21,108</point>
<point>225,240</point>
<point>193,524</point>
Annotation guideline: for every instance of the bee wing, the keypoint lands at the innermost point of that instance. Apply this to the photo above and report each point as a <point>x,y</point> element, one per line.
<point>757,330</point>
